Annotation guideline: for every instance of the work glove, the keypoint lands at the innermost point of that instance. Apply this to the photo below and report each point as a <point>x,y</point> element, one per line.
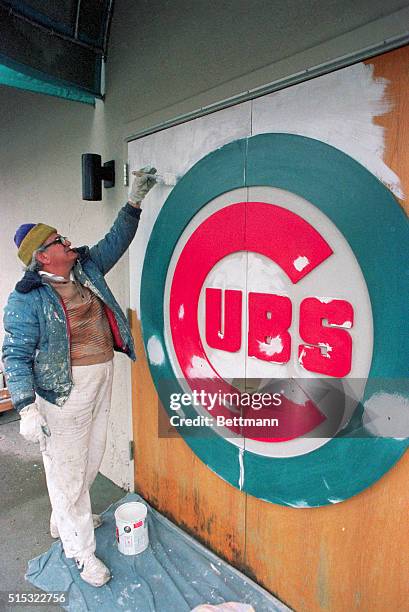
<point>143,182</point>
<point>32,425</point>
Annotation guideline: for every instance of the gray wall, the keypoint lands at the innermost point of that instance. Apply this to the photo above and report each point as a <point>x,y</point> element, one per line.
<point>169,57</point>
<point>41,141</point>
<point>166,58</point>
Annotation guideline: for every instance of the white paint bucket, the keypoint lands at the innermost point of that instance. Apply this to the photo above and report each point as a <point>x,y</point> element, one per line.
<point>131,528</point>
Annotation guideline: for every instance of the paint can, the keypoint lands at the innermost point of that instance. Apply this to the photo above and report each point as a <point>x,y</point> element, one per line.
<point>132,528</point>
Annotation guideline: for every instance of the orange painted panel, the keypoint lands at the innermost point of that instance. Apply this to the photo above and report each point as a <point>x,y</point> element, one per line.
<point>350,556</point>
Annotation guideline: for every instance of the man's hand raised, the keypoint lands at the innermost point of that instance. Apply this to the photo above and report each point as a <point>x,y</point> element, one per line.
<point>142,183</point>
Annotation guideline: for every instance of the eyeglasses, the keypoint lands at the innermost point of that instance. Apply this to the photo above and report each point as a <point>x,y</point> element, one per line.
<point>58,240</point>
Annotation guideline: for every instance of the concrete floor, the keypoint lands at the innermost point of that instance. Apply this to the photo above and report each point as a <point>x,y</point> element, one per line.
<point>25,509</point>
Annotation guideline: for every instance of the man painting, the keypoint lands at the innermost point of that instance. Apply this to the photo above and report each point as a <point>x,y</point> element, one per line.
<point>62,326</point>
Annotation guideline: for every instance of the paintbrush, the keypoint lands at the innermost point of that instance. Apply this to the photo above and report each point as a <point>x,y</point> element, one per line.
<point>162,178</point>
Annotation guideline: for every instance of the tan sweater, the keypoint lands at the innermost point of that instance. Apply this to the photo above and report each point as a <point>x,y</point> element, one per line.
<point>90,335</point>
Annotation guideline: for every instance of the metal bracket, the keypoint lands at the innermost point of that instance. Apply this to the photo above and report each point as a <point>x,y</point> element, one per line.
<point>131,450</point>
<point>108,174</point>
<point>126,175</point>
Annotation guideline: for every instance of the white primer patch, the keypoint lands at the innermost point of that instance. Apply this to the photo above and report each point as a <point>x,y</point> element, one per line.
<point>302,355</point>
<point>200,368</point>
<point>345,324</point>
<point>301,262</point>
<point>387,415</point>
<point>327,349</point>
<point>274,347</point>
<point>302,503</point>
<point>241,463</point>
<point>349,101</point>
<point>155,351</point>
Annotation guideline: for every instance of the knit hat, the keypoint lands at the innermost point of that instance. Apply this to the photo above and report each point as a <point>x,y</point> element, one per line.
<point>29,237</point>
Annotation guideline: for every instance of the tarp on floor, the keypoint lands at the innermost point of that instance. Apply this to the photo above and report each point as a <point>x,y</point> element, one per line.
<point>175,573</point>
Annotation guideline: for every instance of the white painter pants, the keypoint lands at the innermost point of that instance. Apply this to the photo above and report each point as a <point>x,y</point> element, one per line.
<point>74,451</point>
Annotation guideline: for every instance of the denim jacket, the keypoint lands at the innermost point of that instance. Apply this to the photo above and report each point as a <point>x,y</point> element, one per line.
<point>36,348</point>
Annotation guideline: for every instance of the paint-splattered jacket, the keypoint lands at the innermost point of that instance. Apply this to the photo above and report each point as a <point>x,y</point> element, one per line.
<point>36,349</point>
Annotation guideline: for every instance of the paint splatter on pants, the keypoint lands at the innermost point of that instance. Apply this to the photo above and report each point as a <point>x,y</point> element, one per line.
<point>72,454</point>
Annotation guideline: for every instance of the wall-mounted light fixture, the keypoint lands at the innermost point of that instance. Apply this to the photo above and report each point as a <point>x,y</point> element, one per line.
<point>93,173</point>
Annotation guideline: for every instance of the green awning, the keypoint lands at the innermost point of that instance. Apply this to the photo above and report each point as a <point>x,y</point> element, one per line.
<point>13,78</point>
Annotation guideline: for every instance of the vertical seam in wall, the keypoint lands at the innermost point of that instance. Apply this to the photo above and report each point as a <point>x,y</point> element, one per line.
<point>245,318</point>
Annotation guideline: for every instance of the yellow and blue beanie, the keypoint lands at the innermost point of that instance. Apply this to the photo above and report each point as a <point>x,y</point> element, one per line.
<point>29,237</point>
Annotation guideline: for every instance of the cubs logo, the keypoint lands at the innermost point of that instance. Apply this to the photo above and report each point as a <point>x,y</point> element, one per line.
<point>265,271</point>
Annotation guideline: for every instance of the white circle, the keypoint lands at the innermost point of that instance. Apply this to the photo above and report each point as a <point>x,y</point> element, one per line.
<point>338,277</point>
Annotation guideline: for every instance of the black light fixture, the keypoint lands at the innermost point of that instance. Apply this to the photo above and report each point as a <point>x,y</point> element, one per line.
<point>93,173</point>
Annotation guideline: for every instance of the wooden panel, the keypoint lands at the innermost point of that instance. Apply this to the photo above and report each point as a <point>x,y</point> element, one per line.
<point>5,401</point>
<point>5,405</point>
<point>394,66</point>
<point>170,476</point>
<point>350,556</point>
